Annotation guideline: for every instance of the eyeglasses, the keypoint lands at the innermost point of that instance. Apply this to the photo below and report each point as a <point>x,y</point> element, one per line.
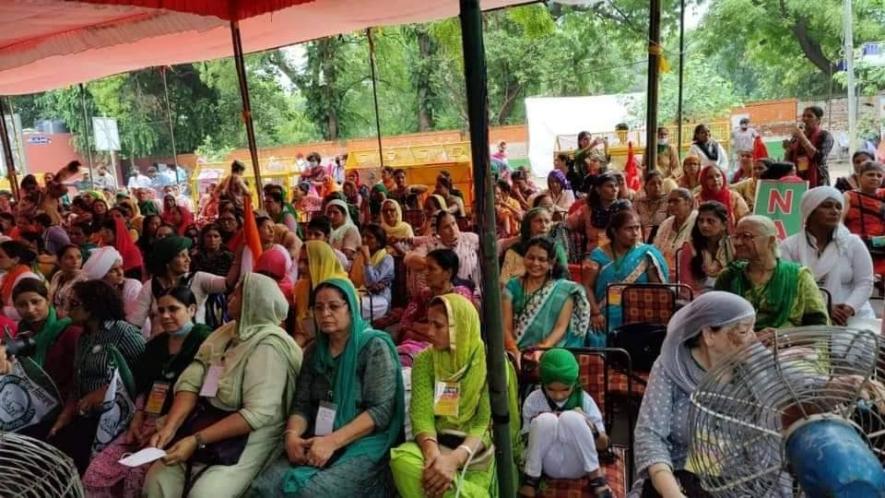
<point>332,307</point>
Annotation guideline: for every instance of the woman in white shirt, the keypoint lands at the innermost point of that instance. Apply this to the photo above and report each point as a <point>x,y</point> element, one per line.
<point>839,259</point>
<point>708,150</point>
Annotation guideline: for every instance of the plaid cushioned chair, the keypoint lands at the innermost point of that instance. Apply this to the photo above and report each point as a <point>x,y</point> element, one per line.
<point>652,304</point>
<point>595,377</point>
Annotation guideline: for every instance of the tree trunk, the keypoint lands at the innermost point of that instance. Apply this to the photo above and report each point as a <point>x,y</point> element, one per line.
<point>423,79</point>
<point>329,78</point>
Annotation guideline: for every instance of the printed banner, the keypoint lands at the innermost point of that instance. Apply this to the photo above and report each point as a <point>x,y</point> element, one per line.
<point>27,396</point>
<point>780,201</point>
<point>117,410</point>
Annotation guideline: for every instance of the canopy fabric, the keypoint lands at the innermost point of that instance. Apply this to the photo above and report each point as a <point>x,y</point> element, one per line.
<point>48,44</point>
<point>229,10</point>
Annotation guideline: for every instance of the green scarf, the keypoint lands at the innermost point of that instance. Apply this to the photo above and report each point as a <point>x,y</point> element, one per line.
<point>464,361</point>
<point>147,208</point>
<point>46,336</point>
<point>344,394</point>
<point>779,293</point>
<point>560,365</point>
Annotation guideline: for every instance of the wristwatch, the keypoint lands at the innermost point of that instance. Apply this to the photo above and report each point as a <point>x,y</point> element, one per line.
<point>201,444</point>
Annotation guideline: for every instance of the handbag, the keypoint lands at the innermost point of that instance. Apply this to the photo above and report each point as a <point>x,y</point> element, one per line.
<point>688,482</point>
<point>225,452</point>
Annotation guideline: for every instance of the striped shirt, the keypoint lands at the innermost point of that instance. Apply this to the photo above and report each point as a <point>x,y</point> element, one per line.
<point>93,361</point>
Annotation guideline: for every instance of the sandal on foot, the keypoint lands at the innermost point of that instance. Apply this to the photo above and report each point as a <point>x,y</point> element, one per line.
<point>599,487</point>
<point>529,488</point>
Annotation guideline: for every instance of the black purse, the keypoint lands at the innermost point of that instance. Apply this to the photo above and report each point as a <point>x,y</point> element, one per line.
<point>226,452</point>
<point>690,484</point>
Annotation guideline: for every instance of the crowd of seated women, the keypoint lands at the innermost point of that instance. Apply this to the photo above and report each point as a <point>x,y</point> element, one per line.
<point>331,345</point>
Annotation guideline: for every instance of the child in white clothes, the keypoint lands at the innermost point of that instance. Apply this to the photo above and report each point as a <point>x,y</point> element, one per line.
<point>564,427</point>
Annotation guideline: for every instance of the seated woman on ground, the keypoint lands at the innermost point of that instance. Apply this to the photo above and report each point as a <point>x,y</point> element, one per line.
<point>344,453</point>
<point>453,429</point>
<point>699,337</point>
<point>691,169</point>
<point>564,428</point>
<point>372,273</point>
<point>625,260</point>
<point>675,231</point>
<point>165,358</point>
<point>560,191</point>
<point>593,218</point>
<point>536,223</point>
<point>865,210</point>
<point>70,262</point>
<point>709,251</point>
<point>345,234</point>
<point>542,309</point>
<point>852,181</point>
<point>783,293</point>
<point>246,372</point>
<point>55,342</point>
<point>107,345</point>
<point>838,259</point>
<point>714,187</point>
<point>15,264</point>
<point>441,278</point>
<point>651,204</point>
<point>317,263</point>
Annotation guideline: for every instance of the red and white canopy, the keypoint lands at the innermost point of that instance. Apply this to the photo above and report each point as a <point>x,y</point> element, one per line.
<point>47,44</point>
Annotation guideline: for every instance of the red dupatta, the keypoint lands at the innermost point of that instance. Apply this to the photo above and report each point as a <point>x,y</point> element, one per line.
<point>126,247</point>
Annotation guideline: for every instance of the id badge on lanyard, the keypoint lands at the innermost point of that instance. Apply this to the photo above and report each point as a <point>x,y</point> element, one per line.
<point>157,398</point>
<point>446,399</point>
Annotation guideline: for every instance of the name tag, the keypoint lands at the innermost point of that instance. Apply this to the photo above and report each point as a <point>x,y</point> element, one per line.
<point>802,163</point>
<point>325,418</point>
<point>614,296</point>
<point>446,399</point>
<point>157,398</point>
<point>210,382</point>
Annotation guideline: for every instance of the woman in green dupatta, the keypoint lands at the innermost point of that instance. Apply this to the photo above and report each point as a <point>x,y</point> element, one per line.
<point>246,370</point>
<point>55,341</point>
<point>783,293</point>
<point>542,309</point>
<point>452,429</point>
<point>345,417</point>
<point>537,222</point>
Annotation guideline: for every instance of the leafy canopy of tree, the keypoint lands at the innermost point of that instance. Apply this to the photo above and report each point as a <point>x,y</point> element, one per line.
<point>742,50</point>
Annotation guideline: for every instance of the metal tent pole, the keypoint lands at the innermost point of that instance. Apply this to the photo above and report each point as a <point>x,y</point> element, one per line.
<point>8,157</point>
<point>681,74</point>
<point>86,137</point>
<point>169,120</point>
<point>247,106</point>
<point>477,110</point>
<point>375,94</point>
<point>654,57</point>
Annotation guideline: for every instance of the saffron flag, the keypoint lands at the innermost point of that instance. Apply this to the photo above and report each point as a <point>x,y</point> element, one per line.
<point>779,200</point>
<point>631,170</point>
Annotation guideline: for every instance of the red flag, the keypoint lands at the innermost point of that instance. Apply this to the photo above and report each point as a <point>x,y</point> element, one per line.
<point>759,150</point>
<point>632,169</point>
<point>250,229</point>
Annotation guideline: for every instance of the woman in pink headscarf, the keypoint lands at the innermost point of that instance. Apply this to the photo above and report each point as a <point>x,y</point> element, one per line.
<point>276,263</point>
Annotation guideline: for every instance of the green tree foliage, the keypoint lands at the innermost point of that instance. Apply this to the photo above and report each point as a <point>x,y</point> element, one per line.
<point>322,90</point>
<point>784,48</point>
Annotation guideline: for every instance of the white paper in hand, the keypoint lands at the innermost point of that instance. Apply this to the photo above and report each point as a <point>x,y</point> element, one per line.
<point>142,457</point>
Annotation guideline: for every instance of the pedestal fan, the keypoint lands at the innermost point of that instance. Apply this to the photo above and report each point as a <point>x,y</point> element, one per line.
<point>800,413</point>
<point>30,468</point>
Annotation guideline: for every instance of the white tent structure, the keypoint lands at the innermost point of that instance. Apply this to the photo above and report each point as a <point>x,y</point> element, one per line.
<point>549,117</point>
